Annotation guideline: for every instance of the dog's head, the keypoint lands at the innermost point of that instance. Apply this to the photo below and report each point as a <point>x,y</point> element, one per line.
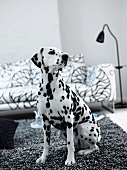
<point>50,57</point>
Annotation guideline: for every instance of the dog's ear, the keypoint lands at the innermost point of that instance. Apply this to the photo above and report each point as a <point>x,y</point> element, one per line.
<point>41,51</point>
<point>35,60</point>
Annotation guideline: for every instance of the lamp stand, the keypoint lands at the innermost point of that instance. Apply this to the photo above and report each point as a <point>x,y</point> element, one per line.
<point>100,39</point>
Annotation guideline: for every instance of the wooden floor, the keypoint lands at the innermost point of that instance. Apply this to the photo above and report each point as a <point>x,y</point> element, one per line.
<point>119,117</point>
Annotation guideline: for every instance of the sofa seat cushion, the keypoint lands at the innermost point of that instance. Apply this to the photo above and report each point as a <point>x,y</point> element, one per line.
<point>98,92</point>
<point>18,94</point>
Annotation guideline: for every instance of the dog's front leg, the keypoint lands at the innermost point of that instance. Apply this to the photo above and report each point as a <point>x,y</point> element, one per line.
<point>47,130</point>
<point>70,143</point>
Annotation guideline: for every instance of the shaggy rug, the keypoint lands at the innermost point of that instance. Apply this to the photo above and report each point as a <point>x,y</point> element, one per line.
<point>29,146</point>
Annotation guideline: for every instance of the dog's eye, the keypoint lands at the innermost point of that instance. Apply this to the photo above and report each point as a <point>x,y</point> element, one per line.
<point>52,52</point>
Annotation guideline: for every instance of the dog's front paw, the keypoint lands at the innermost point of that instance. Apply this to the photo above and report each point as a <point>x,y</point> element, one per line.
<point>42,160</point>
<point>69,161</point>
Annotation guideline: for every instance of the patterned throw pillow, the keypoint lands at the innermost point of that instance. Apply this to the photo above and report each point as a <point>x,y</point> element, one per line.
<point>74,63</point>
<point>7,132</point>
<point>15,74</point>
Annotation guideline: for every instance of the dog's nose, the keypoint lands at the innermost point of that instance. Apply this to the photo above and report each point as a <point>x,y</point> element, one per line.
<point>65,57</point>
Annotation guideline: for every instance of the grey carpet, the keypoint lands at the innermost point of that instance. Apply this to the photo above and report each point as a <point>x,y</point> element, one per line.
<point>29,145</point>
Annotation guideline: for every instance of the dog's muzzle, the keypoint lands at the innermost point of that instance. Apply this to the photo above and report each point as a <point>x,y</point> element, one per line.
<point>64,59</point>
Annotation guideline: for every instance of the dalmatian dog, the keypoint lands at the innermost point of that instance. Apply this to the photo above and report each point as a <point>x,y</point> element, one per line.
<point>62,108</point>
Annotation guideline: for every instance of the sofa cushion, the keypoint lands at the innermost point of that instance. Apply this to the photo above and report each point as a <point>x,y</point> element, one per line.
<point>95,83</point>
<point>7,132</point>
<point>15,74</point>
<point>18,94</point>
<point>74,62</point>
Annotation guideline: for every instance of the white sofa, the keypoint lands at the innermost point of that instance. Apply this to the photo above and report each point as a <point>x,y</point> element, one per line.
<point>19,83</point>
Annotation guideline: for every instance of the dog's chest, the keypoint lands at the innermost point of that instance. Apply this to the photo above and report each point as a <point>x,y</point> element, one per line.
<point>56,117</point>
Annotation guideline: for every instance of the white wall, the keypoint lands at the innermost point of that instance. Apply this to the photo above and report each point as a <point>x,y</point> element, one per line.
<point>80,23</point>
<point>26,26</point>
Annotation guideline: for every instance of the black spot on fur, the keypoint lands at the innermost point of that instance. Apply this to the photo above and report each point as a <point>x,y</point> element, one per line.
<point>50,77</point>
<point>46,69</point>
<point>77,117</point>
<point>56,118</point>
<point>39,93</point>
<point>68,143</point>
<point>88,117</point>
<point>93,119</point>
<point>85,107</point>
<point>51,122</point>
<point>51,97</point>
<point>50,110</point>
<point>92,130</point>
<point>74,124</point>
<point>67,91</point>
<point>66,112</point>
<point>41,51</point>
<point>44,118</point>
<point>82,113</point>
<point>47,105</point>
<point>57,74</point>
<point>75,131</point>
<point>52,52</point>
<point>48,128</point>
<point>48,140</point>
<point>39,64</point>
<point>35,57</point>
<point>44,127</point>
<point>90,112</point>
<point>69,125</point>
<point>42,81</point>
<point>44,94</point>
<point>48,134</point>
<point>63,97</point>
<point>35,60</point>
<point>74,106</point>
<point>62,84</point>
<point>43,60</point>
<point>97,131</point>
<point>64,107</point>
<point>57,61</point>
<point>78,109</point>
<point>84,119</point>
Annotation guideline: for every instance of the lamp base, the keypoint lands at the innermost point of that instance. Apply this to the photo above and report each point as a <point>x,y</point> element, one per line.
<point>121,105</point>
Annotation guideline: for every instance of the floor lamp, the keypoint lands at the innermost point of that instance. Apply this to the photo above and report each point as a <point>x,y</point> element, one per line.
<point>100,39</point>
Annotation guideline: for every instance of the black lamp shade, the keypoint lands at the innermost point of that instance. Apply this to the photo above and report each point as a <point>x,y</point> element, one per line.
<point>100,37</point>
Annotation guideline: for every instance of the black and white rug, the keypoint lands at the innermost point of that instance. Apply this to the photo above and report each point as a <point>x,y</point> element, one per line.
<point>29,146</point>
